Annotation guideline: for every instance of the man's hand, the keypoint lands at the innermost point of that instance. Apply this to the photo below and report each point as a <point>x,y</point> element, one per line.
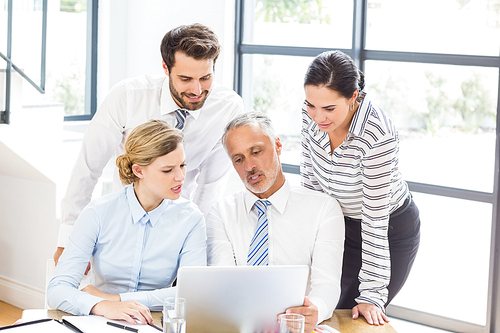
<point>129,311</point>
<point>58,254</point>
<point>309,311</point>
<point>90,289</point>
<point>372,313</point>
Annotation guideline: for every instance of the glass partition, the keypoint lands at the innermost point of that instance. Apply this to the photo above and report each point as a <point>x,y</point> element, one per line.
<point>312,23</point>
<point>434,68</point>
<point>444,26</point>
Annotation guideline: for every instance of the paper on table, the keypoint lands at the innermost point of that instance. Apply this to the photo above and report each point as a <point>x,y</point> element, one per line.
<point>325,329</point>
<point>91,324</point>
<point>51,326</point>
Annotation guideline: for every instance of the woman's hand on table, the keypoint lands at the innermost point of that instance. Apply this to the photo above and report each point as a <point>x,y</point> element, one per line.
<point>372,313</point>
<point>131,311</point>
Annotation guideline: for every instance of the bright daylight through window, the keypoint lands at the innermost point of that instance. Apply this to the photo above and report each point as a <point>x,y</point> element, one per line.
<point>66,54</point>
<point>433,66</point>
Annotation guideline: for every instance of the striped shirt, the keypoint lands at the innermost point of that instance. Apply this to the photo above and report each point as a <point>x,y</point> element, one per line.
<point>362,174</point>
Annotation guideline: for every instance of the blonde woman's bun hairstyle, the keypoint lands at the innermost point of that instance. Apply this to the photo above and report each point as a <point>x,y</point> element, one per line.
<point>145,143</point>
<point>125,169</point>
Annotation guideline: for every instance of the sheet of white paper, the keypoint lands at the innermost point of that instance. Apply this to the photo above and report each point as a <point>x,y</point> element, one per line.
<point>325,329</point>
<point>45,327</point>
<point>90,324</point>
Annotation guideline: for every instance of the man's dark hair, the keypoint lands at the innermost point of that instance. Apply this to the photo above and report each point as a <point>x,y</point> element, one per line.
<point>196,41</point>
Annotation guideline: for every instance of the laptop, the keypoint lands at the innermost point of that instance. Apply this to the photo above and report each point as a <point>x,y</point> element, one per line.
<point>242,299</point>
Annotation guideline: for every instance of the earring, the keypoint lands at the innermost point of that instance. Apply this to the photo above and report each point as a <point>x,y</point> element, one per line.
<point>351,107</point>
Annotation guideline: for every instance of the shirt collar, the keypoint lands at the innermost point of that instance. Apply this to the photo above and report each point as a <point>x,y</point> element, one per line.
<point>278,200</point>
<point>312,127</point>
<point>138,213</point>
<point>168,104</point>
<point>319,136</point>
<point>357,125</point>
<point>358,122</point>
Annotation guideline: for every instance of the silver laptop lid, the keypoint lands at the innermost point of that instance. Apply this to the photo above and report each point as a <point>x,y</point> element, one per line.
<point>239,298</point>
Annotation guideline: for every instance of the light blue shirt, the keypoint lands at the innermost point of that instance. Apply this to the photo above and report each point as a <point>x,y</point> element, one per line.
<point>136,253</point>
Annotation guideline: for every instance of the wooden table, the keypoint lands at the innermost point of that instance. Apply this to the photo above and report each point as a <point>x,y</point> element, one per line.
<point>341,321</point>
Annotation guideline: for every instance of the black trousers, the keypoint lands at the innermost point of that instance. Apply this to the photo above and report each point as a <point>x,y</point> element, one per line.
<point>404,238</point>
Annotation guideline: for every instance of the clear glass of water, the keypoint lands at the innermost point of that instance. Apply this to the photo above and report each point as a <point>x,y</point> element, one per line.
<point>174,315</point>
<point>292,323</point>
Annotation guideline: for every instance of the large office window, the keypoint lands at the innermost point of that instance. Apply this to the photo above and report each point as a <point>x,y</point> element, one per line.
<point>49,52</point>
<point>433,66</point>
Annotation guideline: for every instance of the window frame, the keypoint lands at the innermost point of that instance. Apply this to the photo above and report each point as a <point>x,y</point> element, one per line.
<point>5,113</point>
<point>360,55</point>
<point>91,68</point>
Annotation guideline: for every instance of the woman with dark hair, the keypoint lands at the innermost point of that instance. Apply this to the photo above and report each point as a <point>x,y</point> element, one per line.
<point>350,151</point>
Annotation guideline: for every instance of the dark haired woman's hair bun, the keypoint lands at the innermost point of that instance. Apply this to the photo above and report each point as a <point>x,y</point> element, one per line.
<point>361,81</point>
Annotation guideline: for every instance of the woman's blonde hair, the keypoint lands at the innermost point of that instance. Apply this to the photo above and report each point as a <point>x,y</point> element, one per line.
<point>148,141</point>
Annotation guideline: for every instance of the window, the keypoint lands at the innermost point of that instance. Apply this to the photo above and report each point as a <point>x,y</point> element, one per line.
<point>271,22</point>
<point>434,68</point>
<point>41,72</point>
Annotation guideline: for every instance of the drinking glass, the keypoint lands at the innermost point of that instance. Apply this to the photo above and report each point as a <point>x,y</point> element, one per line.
<point>292,323</point>
<point>174,315</point>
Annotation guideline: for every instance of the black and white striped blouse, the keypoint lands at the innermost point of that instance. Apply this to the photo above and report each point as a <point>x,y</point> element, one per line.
<point>362,174</point>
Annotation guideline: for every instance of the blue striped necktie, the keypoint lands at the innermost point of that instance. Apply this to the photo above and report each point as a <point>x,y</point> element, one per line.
<point>180,116</point>
<point>258,254</point>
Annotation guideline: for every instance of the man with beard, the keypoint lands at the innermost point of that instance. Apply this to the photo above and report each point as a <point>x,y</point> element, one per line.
<point>274,223</point>
<point>187,98</point>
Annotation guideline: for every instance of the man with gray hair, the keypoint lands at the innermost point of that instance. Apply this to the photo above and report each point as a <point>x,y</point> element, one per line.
<point>272,222</point>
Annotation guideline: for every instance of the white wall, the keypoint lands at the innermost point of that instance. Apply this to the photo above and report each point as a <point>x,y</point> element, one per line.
<point>130,33</point>
<point>30,162</point>
<point>35,162</point>
<point>28,232</point>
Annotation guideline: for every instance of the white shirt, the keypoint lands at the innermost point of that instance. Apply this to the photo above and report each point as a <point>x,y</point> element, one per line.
<point>362,174</point>
<point>305,228</point>
<point>133,102</point>
<point>136,253</point>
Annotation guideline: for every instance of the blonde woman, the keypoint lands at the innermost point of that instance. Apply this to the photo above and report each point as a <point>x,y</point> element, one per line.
<point>138,237</point>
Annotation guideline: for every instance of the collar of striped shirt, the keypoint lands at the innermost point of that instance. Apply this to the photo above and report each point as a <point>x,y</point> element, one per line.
<point>357,125</point>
